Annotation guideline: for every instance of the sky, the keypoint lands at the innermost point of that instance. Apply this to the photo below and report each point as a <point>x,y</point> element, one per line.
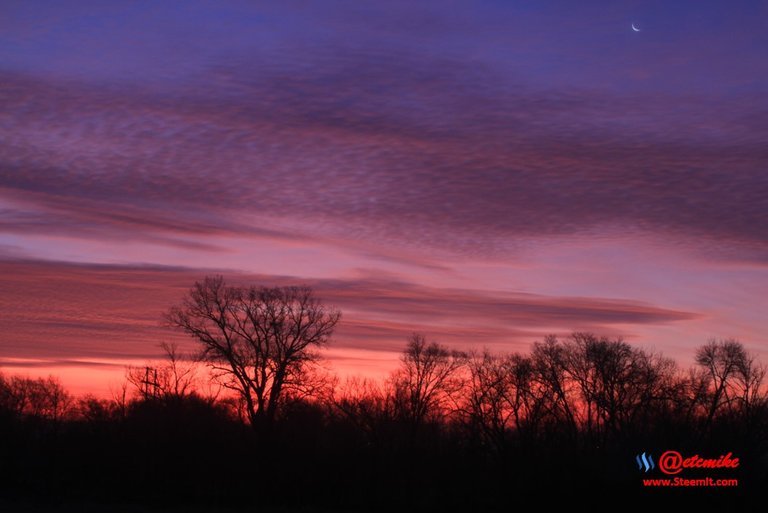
<point>484,172</point>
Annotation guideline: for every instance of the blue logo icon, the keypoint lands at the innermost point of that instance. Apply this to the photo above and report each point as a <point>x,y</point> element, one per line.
<point>645,462</point>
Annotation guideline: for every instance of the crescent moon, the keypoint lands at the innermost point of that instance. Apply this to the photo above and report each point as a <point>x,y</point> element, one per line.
<point>635,28</point>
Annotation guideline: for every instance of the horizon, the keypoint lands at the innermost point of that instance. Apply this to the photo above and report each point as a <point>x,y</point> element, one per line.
<point>484,174</point>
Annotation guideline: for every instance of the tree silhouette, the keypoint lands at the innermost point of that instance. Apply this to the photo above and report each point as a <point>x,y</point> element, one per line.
<point>618,384</point>
<point>492,402</point>
<point>41,397</point>
<point>446,430</point>
<point>259,341</point>
<point>732,377</point>
<point>426,379</point>
<point>556,391</point>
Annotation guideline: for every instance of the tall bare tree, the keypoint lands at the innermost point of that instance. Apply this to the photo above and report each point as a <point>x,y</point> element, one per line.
<point>618,384</point>
<point>734,377</point>
<point>260,341</point>
<point>491,402</point>
<point>550,362</point>
<point>750,376</point>
<point>426,380</point>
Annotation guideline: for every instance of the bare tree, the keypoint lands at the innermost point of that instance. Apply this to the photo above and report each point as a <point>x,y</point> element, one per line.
<point>550,362</point>
<point>617,384</point>
<point>426,380</point>
<point>41,397</point>
<point>749,384</point>
<point>14,392</point>
<point>260,342</point>
<point>733,377</point>
<point>721,360</point>
<point>51,398</point>
<point>491,405</point>
<point>529,401</point>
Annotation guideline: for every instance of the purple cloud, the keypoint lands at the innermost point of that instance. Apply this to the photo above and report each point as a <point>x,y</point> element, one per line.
<point>71,312</point>
<point>460,160</point>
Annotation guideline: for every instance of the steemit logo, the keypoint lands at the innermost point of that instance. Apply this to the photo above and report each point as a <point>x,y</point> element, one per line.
<point>645,461</point>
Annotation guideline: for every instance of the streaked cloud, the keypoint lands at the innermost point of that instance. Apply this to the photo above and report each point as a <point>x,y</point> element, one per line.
<point>75,312</point>
<point>475,163</point>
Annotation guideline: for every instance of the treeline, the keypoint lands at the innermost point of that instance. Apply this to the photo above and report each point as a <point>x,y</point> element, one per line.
<point>261,428</point>
<point>447,427</point>
<point>591,390</point>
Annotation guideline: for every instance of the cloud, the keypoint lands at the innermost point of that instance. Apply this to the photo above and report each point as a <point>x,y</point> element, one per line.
<point>22,363</point>
<point>314,140</point>
<point>390,148</point>
<point>67,312</point>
